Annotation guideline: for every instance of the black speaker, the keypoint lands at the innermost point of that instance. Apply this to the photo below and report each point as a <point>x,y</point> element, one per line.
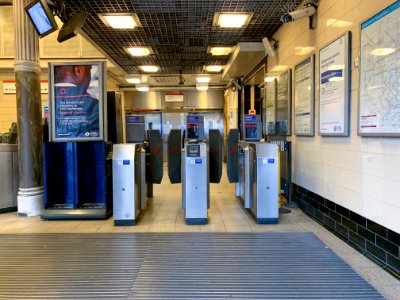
<point>215,155</point>
<point>174,156</point>
<point>232,155</point>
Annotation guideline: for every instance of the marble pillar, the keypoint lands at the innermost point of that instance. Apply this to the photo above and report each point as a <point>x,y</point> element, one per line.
<point>29,116</point>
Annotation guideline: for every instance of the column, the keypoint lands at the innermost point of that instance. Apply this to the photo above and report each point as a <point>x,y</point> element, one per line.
<point>29,117</point>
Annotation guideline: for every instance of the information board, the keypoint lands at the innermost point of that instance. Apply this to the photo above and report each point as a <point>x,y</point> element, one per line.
<point>334,87</point>
<point>379,89</point>
<point>283,103</point>
<point>304,97</point>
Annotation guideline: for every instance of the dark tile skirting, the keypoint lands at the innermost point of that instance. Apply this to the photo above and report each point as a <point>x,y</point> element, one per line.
<point>378,243</point>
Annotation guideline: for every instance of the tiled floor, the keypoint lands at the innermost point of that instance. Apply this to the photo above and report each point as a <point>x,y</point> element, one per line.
<point>226,214</point>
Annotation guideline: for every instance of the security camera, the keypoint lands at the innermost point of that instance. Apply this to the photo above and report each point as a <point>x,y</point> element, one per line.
<point>236,84</point>
<point>269,49</point>
<point>309,10</point>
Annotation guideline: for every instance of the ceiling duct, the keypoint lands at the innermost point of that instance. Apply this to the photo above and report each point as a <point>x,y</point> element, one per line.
<point>165,79</point>
<point>244,59</point>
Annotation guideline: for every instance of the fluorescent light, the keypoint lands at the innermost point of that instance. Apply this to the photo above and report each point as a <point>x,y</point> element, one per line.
<point>202,86</point>
<point>203,79</point>
<point>279,68</point>
<point>220,50</point>
<point>382,51</point>
<point>231,20</point>
<point>150,69</point>
<point>269,78</point>
<point>303,50</point>
<point>213,68</point>
<point>338,23</point>
<point>133,79</point>
<point>142,87</point>
<point>139,51</point>
<point>120,21</point>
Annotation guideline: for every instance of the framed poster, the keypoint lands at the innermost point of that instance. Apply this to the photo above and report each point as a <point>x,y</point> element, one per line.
<point>334,87</point>
<point>77,99</point>
<point>177,97</point>
<point>379,88</point>
<point>283,103</point>
<point>304,97</point>
<point>270,107</point>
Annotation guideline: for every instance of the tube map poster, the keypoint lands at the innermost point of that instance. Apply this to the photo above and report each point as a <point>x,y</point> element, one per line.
<point>379,95</point>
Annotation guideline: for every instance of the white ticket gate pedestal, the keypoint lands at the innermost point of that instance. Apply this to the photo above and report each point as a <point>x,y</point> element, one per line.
<point>258,184</point>
<point>129,184</point>
<point>195,183</point>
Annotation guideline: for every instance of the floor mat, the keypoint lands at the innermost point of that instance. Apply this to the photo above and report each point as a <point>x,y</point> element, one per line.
<point>175,265</point>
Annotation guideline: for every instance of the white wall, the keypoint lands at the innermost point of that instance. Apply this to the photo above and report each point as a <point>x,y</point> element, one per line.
<point>359,173</point>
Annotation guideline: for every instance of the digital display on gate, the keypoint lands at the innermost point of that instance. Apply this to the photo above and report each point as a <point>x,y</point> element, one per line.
<point>193,131</point>
<point>251,125</point>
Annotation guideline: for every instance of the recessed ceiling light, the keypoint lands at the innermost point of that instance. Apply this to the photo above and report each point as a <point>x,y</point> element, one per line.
<point>150,69</point>
<point>203,79</point>
<point>382,51</point>
<point>220,50</point>
<point>213,68</point>
<point>120,21</point>
<point>279,68</point>
<point>139,51</point>
<point>202,86</point>
<point>142,87</point>
<point>303,50</point>
<point>133,79</point>
<point>231,20</point>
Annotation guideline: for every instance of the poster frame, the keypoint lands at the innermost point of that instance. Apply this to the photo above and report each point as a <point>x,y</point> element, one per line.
<point>311,96</point>
<point>346,84</point>
<point>101,94</point>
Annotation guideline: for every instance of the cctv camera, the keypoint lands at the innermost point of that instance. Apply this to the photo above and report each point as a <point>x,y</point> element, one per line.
<point>308,10</point>
<point>269,49</point>
<point>236,84</point>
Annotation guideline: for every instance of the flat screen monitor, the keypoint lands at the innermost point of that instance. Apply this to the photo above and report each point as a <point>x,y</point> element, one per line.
<point>193,131</point>
<point>41,17</point>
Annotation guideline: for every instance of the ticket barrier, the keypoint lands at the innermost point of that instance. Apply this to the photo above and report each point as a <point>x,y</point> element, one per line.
<point>254,167</point>
<point>196,165</point>
<point>136,167</point>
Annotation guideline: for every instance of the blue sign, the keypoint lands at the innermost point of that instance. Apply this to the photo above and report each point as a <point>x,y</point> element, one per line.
<point>132,118</point>
<point>193,119</point>
<point>271,160</point>
<point>198,161</point>
<point>126,162</point>
<point>250,118</point>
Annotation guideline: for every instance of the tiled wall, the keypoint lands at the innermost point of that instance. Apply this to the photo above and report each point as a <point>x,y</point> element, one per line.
<point>380,244</point>
<point>360,174</point>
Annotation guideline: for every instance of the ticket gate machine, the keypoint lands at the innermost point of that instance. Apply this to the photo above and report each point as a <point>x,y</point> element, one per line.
<point>136,166</point>
<point>254,167</point>
<point>196,165</point>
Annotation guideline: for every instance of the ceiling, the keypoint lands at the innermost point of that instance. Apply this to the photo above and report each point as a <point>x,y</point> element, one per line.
<point>178,31</point>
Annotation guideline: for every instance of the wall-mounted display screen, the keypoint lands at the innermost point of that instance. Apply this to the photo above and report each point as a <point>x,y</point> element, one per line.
<point>41,17</point>
<point>284,103</point>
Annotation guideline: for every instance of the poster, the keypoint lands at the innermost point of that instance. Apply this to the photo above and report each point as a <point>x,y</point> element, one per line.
<point>283,103</point>
<point>77,100</point>
<point>379,94</point>
<point>270,107</point>
<point>304,97</point>
<point>334,89</point>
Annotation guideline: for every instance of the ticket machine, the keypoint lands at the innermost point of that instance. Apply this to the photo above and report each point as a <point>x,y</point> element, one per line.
<point>197,164</point>
<point>254,167</point>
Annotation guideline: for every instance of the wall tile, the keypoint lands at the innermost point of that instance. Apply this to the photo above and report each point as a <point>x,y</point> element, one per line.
<point>387,246</point>
<point>376,251</point>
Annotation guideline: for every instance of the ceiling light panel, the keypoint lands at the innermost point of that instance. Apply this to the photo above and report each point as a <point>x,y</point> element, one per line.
<point>203,79</point>
<point>120,21</point>
<point>149,69</point>
<point>213,68</point>
<point>133,79</point>
<point>139,51</point>
<point>218,51</point>
<point>232,20</point>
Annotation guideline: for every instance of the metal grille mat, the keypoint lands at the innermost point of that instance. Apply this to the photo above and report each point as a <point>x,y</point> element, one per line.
<point>175,266</point>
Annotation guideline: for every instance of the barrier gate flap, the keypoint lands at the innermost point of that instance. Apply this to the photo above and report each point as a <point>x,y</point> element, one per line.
<point>174,156</point>
<point>232,155</point>
<point>215,155</point>
<point>156,155</point>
